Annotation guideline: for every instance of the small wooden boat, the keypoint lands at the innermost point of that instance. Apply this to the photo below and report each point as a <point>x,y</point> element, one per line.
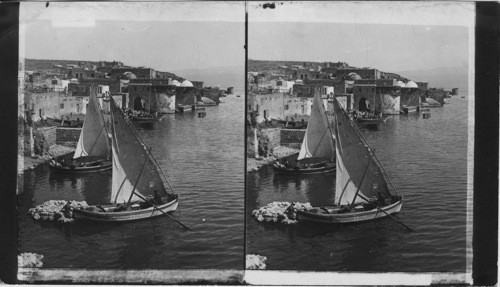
<point>115,212</point>
<point>371,122</point>
<point>93,148</point>
<point>137,190</point>
<point>317,152</point>
<point>359,213</point>
<point>323,167</point>
<point>361,190</point>
<point>88,167</point>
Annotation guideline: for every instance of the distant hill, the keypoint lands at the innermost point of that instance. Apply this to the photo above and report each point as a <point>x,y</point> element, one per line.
<point>39,64</point>
<point>232,76</point>
<point>447,78</point>
<point>265,65</point>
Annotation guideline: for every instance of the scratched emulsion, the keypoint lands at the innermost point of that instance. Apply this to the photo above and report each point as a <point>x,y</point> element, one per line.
<point>426,160</point>
<point>203,159</point>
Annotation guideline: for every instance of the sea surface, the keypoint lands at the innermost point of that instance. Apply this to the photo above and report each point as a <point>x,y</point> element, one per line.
<point>203,159</point>
<point>427,162</point>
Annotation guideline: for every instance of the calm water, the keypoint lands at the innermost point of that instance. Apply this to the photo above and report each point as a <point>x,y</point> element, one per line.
<point>204,161</point>
<point>426,160</point>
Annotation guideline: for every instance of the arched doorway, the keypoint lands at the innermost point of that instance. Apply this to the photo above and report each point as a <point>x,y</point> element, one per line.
<point>139,104</point>
<point>364,105</point>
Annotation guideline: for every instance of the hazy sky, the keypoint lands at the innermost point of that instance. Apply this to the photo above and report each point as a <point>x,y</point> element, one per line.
<point>391,36</point>
<point>167,36</point>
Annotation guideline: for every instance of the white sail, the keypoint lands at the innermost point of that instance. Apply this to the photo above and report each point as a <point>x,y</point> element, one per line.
<point>345,190</point>
<point>93,139</point>
<point>357,172</point>
<point>134,172</point>
<point>121,187</point>
<point>318,140</point>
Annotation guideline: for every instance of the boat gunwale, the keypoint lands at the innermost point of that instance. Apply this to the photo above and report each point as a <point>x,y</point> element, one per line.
<point>113,216</point>
<point>323,169</point>
<point>102,167</point>
<point>343,217</point>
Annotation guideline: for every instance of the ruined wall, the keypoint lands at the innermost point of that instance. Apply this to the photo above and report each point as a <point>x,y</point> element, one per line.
<point>44,138</point>
<point>390,104</point>
<point>436,94</point>
<point>272,136</point>
<point>411,97</point>
<point>211,93</point>
<point>67,136</point>
<point>292,138</point>
<point>295,106</point>
<point>186,96</point>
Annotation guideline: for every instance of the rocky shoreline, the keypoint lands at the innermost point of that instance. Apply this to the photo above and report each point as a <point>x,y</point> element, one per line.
<point>279,152</point>
<point>25,163</point>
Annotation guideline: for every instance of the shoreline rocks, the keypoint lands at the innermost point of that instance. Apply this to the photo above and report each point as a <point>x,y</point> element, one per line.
<point>280,212</point>
<point>56,210</point>
<point>29,260</point>
<point>25,163</point>
<point>254,261</point>
<point>279,152</point>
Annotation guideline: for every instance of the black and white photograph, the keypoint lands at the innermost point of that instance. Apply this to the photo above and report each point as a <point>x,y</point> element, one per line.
<point>131,123</point>
<point>359,124</point>
<point>291,143</point>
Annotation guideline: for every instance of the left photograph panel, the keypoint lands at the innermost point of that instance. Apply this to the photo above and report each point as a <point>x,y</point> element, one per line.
<point>131,140</point>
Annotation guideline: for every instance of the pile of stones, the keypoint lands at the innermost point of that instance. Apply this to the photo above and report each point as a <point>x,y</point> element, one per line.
<point>254,261</point>
<point>57,210</point>
<point>280,212</point>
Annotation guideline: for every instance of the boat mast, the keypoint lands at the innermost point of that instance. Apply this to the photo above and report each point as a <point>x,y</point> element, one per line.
<point>372,154</point>
<point>148,150</point>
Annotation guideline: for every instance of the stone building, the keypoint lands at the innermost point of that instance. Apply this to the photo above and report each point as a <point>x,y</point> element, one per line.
<point>39,106</point>
<point>364,97</point>
<point>296,107</point>
<point>265,106</point>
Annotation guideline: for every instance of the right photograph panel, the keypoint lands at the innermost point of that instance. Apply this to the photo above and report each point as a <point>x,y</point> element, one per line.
<point>359,122</point>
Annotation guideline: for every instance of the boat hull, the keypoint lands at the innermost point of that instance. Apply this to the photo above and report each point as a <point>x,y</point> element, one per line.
<point>290,170</point>
<point>133,215</point>
<point>66,169</point>
<point>350,217</point>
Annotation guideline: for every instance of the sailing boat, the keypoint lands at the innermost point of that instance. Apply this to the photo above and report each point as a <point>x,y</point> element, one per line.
<point>93,150</point>
<point>317,153</point>
<point>361,191</point>
<point>137,190</point>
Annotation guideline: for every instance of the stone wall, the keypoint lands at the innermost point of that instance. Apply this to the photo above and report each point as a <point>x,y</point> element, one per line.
<point>436,94</point>
<point>44,138</point>
<point>67,136</point>
<point>273,136</point>
<point>292,138</point>
<point>411,97</point>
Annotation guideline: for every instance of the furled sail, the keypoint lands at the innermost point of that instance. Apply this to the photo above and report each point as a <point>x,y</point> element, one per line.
<point>355,166</point>
<point>318,141</point>
<point>93,139</point>
<point>132,164</point>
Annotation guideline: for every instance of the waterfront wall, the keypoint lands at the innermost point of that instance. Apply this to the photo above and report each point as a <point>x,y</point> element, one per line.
<point>67,136</point>
<point>192,95</point>
<point>44,138</point>
<point>390,104</point>
<point>292,138</point>
<point>411,97</point>
<point>436,94</point>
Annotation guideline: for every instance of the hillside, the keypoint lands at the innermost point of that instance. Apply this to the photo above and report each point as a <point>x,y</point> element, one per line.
<point>39,64</point>
<point>264,65</point>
